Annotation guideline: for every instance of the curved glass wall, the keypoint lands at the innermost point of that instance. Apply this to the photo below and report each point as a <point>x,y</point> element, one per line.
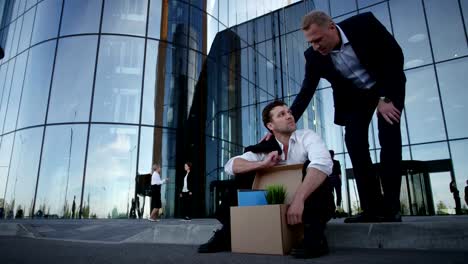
<point>93,92</point>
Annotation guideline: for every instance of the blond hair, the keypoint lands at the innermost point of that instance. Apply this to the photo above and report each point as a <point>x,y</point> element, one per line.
<point>317,17</point>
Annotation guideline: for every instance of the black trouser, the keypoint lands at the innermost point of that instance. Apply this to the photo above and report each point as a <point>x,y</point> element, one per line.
<point>186,205</point>
<point>335,184</point>
<point>318,208</point>
<point>356,138</point>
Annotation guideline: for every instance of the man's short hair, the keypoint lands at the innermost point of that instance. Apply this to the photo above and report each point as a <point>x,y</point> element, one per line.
<point>266,115</point>
<point>317,17</point>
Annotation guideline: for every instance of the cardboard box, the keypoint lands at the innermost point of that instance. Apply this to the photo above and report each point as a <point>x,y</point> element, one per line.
<point>251,197</point>
<point>264,229</point>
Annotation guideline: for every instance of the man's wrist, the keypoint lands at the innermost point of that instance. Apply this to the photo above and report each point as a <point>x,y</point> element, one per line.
<point>385,99</point>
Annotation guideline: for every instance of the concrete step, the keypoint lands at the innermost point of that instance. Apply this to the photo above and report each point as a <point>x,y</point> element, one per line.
<point>450,232</point>
<point>436,232</point>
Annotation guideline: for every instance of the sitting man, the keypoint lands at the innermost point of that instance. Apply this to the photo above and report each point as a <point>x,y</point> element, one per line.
<point>313,202</point>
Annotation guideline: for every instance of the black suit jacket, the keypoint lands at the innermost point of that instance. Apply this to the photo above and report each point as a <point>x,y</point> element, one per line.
<point>190,183</point>
<point>379,54</point>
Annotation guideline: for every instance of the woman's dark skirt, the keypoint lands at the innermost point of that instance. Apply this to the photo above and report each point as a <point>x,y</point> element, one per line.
<point>155,196</point>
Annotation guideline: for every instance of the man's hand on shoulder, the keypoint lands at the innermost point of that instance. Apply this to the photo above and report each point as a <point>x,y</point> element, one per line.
<point>266,137</point>
<point>271,160</point>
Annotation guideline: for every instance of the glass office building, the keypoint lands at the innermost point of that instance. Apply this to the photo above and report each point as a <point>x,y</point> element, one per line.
<point>93,92</point>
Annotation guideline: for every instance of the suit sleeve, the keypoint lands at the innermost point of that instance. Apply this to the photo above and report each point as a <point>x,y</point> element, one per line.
<point>309,85</point>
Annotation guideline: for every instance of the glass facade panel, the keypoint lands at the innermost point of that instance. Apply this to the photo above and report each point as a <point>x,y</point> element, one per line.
<point>46,25</point>
<point>10,66</point>
<point>22,176</point>
<point>460,166</point>
<point>73,80</point>
<point>452,79</point>
<point>61,172</point>
<point>110,171</point>
<point>5,158</point>
<point>443,15</point>
<point>411,34</point>
<point>81,17</point>
<point>26,31</point>
<point>155,19</point>
<point>125,17</point>
<point>15,93</point>
<point>119,80</point>
<point>37,85</point>
<point>340,7</point>
<point>423,110</point>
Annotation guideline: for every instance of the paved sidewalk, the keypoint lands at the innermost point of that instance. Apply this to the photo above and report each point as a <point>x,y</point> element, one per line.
<point>27,250</point>
<point>435,232</point>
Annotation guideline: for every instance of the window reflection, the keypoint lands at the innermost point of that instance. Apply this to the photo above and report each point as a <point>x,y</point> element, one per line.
<point>81,17</point>
<point>9,67</point>
<point>47,20</point>
<point>155,19</point>
<point>21,183</point>
<point>37,85</point>
<point>26,31</point>
<point>445,26</point>
<point>73,79</point>
<point>30,3</point>
<point>157,145</point>
<point>118,81</point>
<point>453,80</point>
<point>340,7</point>
<point>61,174</point>
<point>5,154</point>
<point>411,34</point>
<point>110,172</point>
<point>125,17</point>
<point>423,106</point>
<point>458,150</point>
<point>15,93</point>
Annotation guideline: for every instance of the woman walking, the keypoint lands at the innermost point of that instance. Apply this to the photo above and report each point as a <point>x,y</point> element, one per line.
<point>156,183</point>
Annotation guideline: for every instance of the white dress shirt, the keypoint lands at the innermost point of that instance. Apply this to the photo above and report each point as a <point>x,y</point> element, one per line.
<point>347,63</point>
<point>185,189</point>
<point>156,179</point>
<point>304,144</point>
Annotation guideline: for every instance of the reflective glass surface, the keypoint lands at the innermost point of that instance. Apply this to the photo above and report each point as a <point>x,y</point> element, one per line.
<point>117,93</point>
<point>73,80</point>
<point>46,24</point>
<point>125,17</point>
<point>81,17</point>
<point>110,171</point>
<point>22,176</point>
<point>61,172</point>
<point>37,85</point>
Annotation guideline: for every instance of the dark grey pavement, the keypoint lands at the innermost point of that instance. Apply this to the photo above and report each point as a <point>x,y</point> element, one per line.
<point>28,250</point>
<point>434,232</point>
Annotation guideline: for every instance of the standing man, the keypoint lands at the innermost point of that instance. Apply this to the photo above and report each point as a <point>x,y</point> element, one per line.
<point>335,180</point>
<point>364,64</point>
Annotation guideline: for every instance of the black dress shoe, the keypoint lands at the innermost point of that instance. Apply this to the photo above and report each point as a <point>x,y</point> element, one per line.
<point>393,218</point>
<point>220,241</point>
<point>363,218</point>
<point>305,252</point>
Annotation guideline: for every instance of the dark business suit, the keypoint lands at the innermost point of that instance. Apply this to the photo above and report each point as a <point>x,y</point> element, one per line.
<point>186,199</point>
<point>382,58</point>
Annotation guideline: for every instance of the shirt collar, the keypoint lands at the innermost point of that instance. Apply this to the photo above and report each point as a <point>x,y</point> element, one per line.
<point>344,40</point>
<point>292,138</point>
